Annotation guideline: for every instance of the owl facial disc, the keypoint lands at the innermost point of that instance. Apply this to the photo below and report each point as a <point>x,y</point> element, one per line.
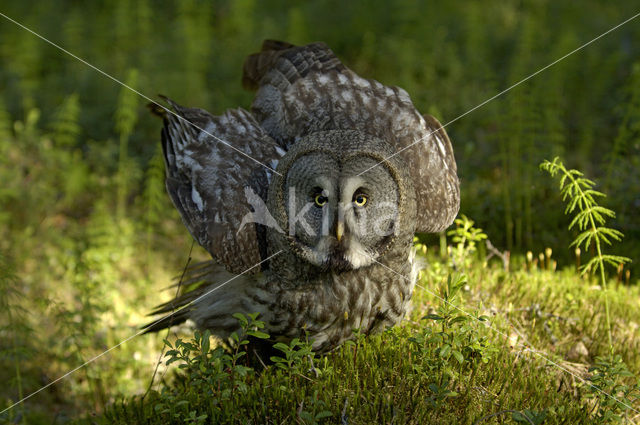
<point>337,219</point>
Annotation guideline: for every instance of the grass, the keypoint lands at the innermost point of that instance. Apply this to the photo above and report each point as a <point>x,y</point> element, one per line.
<point>509,368</point>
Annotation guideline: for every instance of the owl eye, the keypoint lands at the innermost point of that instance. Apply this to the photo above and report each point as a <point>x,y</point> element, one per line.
<point>360,200</point>
<point>320,200</point>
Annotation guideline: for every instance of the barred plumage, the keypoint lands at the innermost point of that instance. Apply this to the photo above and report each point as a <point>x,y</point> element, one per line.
<point>314,184</point>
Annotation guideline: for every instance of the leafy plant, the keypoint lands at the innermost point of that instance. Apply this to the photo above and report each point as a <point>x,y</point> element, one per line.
<point>607,387</point>
<point>455,345</point>
<point>65,127</point>
<point>589,218</point>
<point>67,171</point>
<point>611,395</point>
<point>154,198</point>
<point>313,409</point>
<point>466,236</point>
<point>213,374</point>
<point>125,120</point>
<point>297,355</point>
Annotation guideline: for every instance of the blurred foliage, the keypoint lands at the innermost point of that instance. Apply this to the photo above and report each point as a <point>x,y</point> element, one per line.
<point>449,56</point>
<point>88,237</point>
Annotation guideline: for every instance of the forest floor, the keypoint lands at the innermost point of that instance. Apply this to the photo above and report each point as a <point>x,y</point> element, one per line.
<point>482,345</point>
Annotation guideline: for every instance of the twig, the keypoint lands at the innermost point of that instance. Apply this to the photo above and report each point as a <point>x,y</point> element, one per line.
<point>155,371</point>
<point>504,256</point>
<point>343,415</point>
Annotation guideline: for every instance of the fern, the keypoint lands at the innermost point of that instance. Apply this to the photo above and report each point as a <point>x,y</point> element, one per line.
<point>5,127</point>
<point>144,15</point>
<point>65,127</point>
<point>126,112</point>
<point>154,199</point>
<point>590,219</point>
<point>517,143</point>
<point>126,118</point>
<point>194,32</point>
<point>74,33</point>
<point>17,335</point>
<point>123,27</point>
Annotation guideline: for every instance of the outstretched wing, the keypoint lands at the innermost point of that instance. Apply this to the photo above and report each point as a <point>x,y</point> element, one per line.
<point>210,162</point>
<point>307,89</point>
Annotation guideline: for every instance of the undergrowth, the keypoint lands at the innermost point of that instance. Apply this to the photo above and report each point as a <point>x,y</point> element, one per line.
<point>486,347</point>
<point>486,350</point>
<point>611,396</point>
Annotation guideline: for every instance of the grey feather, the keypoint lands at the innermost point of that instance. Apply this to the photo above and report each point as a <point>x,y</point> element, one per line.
<point>206,179</point>
<point>337,218</point>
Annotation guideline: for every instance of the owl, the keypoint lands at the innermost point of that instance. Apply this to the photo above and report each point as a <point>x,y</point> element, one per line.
<point>309,202</point>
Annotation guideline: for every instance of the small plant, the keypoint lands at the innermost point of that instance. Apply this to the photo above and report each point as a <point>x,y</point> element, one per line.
<point>608,373</point>
<point>527,416</point>
<point>212,374</point>
<point>466,237</point>
<point>298,356</point>
<point>126,117</point>
<point>17,335</point>
<point>606,387</point>
<point>312,410</point>
<point>455,347</point>
<point>590,219</point>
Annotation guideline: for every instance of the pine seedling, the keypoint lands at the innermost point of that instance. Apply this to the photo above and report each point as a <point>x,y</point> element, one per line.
<point>589,218</point>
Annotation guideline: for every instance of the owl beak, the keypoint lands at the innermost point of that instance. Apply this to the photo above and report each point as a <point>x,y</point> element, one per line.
<point>339,230</point>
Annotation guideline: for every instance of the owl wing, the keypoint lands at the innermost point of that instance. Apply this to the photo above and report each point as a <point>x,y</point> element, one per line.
<point>212,162</point>
<point>301,90</point>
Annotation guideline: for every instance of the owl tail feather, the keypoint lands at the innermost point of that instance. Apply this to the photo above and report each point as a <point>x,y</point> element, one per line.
<point>210,305</point>
<point>166,322</point>
<point>173,317</point>
<point>197,273</point>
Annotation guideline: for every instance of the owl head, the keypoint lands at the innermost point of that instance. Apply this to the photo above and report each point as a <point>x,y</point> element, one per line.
<point>336,212</point>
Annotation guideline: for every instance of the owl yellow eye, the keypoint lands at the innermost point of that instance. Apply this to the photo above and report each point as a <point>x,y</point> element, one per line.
<point>320,200</point>
<point>360,200</point>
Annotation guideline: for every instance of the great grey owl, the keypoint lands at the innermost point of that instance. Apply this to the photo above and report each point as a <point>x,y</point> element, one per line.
<point>313,197</point>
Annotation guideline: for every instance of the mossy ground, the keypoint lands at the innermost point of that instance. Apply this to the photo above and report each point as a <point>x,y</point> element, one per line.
<point>543,331</point>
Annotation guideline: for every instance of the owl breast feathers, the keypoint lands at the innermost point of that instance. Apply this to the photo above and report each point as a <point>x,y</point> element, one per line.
<point>307,203</point>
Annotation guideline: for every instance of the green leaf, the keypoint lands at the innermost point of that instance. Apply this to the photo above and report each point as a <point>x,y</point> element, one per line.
<point>458,319</point>
<point>445,351</point>
<point>258,334</point>
<point>240,317</point>
<point>323,414</point>
<point>281,346</point>
<point>205,343</point>
<point>458,355</point>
